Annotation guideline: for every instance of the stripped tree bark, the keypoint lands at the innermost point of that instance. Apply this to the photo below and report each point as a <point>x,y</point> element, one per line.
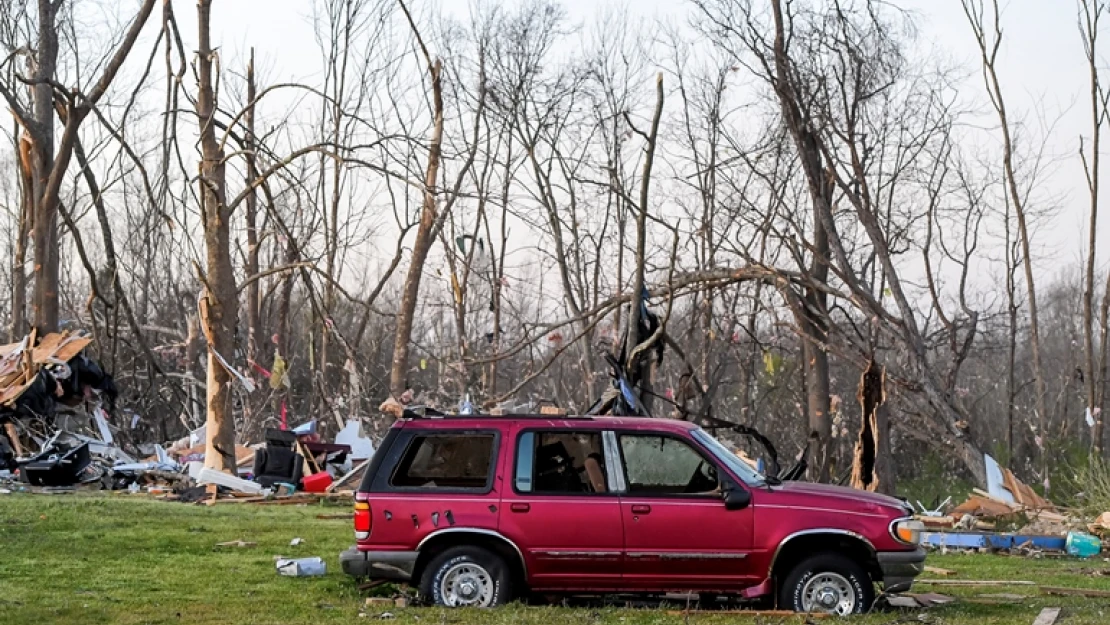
<point>219,300</point>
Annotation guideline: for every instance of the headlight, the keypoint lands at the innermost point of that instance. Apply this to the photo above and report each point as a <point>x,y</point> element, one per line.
<point>907,531</point>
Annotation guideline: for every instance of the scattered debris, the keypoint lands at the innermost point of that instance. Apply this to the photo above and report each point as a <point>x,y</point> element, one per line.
<point>915,601</point>
<point>1047,616</point>
<point>939,571</point>
<point>237,543</point>
<point>379,601</point>
<point>302,567</point>
<point>1101,526</point>
<point>296,541</point>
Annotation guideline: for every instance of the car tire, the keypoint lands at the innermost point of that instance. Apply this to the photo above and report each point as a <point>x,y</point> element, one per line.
<point>466,577</point>
<point>828,583</point>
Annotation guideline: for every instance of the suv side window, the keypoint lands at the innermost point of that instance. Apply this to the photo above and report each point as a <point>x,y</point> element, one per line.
<point>560,463</point>
<point>446,461</point>
<point>662,465</point>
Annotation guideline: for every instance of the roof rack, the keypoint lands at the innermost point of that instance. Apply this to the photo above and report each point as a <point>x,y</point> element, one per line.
<point>424,412</point>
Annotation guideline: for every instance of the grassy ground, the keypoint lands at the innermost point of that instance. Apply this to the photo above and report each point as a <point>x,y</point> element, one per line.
<point>120,559</point>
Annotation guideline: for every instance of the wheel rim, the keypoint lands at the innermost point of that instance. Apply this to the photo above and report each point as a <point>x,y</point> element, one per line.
<point>829,592</point>
<point>466,584</point>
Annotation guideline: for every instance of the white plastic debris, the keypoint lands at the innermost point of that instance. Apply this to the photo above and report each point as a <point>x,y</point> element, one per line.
<point>351,435</point>
<point>296,541</point>
<point>101,419</point>
<point>212,476</point>
<point>302,567</point>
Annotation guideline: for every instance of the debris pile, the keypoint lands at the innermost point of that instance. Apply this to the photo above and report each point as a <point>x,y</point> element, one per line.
<point>56,406</point>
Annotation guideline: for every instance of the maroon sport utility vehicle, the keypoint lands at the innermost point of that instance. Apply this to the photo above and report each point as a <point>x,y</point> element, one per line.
<point>477,510</point>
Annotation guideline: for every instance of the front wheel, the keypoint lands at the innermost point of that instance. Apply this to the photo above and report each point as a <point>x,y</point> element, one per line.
<point>466,577</point>
<point>828,583</point>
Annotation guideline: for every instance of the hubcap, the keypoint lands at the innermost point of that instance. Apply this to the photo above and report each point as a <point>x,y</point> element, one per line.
<point>466,584</point>
<point>829,592</point>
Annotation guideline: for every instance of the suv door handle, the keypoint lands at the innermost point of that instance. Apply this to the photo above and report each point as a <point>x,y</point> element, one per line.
<point>641,509</point>
<point>520,507</point>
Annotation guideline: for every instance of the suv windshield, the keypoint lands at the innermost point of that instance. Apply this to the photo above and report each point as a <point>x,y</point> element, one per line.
<point>742,469</point>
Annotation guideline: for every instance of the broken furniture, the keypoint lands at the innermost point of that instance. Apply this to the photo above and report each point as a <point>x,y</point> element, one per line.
<point>57,465</point>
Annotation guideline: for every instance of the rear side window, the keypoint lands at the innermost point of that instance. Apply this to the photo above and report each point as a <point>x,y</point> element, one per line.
<point>438,461</point>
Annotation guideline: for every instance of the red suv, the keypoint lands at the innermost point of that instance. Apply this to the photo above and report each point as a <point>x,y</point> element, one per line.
<point>478,510</point>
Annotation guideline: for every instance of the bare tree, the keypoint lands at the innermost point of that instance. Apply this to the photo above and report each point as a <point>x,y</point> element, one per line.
<point>989,44</point>
<point>48,167</point>
<point>1090,14</point>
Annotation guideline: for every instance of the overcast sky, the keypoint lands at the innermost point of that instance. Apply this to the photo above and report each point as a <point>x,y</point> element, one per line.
<point>1042,69</point>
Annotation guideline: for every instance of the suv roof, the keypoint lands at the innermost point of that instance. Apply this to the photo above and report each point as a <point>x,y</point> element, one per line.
<point>570,421</point>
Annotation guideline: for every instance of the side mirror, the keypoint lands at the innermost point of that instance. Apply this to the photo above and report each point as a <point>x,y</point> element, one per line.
<point>736,498</point>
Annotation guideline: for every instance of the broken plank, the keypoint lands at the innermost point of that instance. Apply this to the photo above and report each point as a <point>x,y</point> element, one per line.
<point>329,517</point>
<point>975,582</point>
<point>1047,616</point>
<point>754,613</point>
<point>289,501</point>
<point>939,571</point>
<point>220,502</point>
<point>1080,592</point>
<point>343,480</point>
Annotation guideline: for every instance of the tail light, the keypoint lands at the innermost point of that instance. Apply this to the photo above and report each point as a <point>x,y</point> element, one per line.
<point>363,520</point>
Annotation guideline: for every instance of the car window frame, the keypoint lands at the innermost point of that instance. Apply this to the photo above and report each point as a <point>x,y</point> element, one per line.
<point>532,493</point>
<point>689,442</point>
<point>384,483</point>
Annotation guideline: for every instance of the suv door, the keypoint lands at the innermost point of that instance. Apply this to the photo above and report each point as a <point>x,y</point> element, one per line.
<point>562,510</point>
<point>678,534</point>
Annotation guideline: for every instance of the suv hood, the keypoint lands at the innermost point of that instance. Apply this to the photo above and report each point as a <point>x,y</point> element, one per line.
<point>841,497</point>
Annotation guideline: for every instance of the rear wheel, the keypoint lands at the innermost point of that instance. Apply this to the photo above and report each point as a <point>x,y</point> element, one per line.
<point>828,583</point>
<point>467,577</point>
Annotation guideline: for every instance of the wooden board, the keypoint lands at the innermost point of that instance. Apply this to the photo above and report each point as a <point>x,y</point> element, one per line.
<point>974,582</point>
<point>1078,592</point>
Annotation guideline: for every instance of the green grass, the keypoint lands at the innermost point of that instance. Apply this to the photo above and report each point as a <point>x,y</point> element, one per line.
<point>120,559</point>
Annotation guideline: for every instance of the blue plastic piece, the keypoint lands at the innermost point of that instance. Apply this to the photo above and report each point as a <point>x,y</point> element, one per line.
<point>980,540</point>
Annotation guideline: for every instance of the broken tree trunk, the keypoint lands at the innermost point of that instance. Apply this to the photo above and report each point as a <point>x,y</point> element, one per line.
<point>872,467</point>
<point>219,303</point>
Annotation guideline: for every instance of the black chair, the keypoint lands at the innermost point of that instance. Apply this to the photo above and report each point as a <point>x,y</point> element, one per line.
<point>277,462</point>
